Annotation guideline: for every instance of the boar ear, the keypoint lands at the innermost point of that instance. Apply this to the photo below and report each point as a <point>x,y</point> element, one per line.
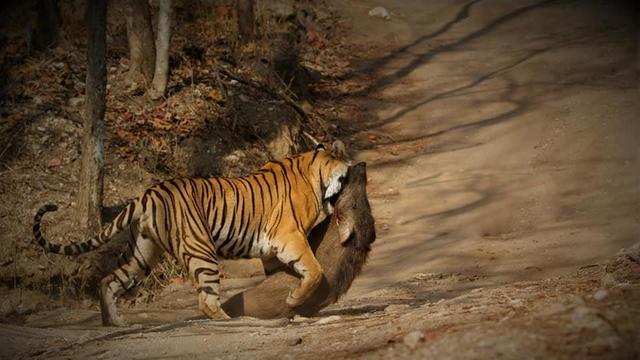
<point>338,150</point>
<point>345,228</point>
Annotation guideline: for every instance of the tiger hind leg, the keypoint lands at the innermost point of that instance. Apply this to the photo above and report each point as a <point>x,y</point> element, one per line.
<point>144,255</point>
<point>201,261</point>
<point>206,275</point>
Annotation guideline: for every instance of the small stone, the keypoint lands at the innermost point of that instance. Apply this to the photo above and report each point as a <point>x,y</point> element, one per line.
<point>483,343</point>
<point>380,12</point>
<point>413,338</point>
<point>235,157</point>
<point>295,341</point>
<point>600,294</point>
<point>608,281</point>
<point>516,302</point>
<point>232,158</point>
<point>328,319</point>
<point>421,276</point>
<point>299,318</point>
<point>76,101</point>
<point>584,317</point>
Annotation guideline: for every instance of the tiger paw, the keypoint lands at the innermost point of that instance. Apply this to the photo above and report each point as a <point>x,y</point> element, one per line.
<point>294,301</point>
<point>210,306</point>
<point>215,314</point>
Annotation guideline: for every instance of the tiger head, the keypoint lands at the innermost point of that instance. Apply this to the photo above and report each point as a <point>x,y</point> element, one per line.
<point>331,168</point>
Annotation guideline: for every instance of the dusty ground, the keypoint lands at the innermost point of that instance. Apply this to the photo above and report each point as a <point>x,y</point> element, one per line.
<point>590,313</point>
<point>502,143</point>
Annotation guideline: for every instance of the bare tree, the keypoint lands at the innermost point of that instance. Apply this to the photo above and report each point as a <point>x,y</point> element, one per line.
<point>142,50</point>
<point>90,194</point>
<point>246,22</point>
<point>160,77</point>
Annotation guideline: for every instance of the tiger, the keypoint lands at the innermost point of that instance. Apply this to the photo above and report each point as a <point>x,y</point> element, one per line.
<point>266,215</point>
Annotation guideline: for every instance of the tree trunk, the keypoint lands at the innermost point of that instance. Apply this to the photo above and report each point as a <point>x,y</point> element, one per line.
<point>246,23</point>
<point>90,193</point>
<point>161,74</point>
<point>142,50</point>
<point>47,29</point>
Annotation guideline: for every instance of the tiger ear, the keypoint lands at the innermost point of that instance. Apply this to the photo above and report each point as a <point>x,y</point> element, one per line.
<point>320,147</point>
<point>338,150</point>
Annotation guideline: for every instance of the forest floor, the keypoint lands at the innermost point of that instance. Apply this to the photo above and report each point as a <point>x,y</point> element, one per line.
<point>501,142</point>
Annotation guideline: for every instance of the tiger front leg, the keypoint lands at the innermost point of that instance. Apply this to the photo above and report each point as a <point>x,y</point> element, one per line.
<point>297,254</point>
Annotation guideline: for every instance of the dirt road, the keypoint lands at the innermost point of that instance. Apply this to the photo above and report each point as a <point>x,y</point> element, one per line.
<point>504,178</point>
<point>513,131</point>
